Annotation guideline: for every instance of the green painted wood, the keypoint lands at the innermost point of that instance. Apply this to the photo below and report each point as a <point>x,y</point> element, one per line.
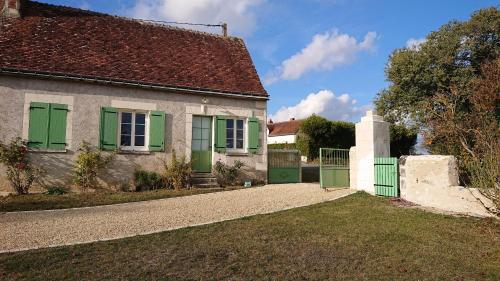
<point>253,134</point>
<point>283,166</point>
<point>57,126</point>
<point>108,130</point>
<point>201,144</point>
<point>157,131</point>
<point>386,176</point>
<point>220,134</point>
<point>334,167</point>
<point>38,135</point>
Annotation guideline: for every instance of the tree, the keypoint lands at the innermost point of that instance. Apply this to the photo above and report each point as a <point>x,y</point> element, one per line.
<point>448,87</point>
<point>451,57</point>
<point>403,139</point>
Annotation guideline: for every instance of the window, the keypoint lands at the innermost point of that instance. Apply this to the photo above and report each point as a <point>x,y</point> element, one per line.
<point>133,127</point>
<point>235,134</point>
<point>47,126</point>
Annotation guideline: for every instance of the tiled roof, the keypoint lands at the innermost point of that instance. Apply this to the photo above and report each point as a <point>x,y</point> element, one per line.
<point>290,127</point>
<point>74,42</point>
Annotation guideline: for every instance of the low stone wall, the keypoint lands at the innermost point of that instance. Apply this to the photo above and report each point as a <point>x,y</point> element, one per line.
<point>432,181</point>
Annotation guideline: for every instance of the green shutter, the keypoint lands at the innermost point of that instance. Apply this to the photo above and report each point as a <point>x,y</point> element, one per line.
<point>57,126</point>
<point>157,131</point>
<point>220,134</point>
<point>253,134</point>
<point>39,124</point>
<point>108,128</point>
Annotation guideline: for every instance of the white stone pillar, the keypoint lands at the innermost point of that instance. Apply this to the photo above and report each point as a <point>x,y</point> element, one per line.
<point>372,140</point>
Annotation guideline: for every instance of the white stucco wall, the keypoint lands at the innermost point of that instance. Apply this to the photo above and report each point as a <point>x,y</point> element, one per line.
<point>372,140</point>
<point>282,139</point>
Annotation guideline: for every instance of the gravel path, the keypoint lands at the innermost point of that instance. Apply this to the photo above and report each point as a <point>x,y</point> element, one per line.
<point>38,229</point>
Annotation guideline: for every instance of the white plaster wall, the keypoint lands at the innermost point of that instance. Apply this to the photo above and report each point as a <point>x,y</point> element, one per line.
<point>282,139</point>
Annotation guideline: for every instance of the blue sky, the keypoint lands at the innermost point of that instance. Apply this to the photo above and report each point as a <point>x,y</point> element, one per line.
<point>316,56</point>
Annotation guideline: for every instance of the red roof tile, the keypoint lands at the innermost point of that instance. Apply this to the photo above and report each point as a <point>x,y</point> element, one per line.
<point>283,128</point>
<point>75,42</point>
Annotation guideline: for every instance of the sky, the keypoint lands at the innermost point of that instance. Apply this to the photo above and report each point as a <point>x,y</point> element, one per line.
<point>325,57</point>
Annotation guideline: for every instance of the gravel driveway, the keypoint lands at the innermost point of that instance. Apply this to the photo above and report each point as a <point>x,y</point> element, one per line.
<point>38,229</point>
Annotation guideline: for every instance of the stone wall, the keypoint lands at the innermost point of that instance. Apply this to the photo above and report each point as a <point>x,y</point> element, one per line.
<point>84,101</point>
<point>432,181</point>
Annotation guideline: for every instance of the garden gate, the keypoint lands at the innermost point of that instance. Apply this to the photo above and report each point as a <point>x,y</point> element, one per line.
<point>386,176</point>
<point>283,166</point>
<point>333,167</point>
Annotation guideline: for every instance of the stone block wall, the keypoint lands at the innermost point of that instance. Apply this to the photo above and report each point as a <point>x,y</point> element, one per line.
<point>432,181</point>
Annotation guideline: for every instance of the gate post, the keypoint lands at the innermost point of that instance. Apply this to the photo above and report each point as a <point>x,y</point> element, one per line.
<point>372,140</point>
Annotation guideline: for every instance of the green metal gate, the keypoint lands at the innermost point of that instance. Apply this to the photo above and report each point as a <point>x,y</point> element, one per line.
<point>283,166</point>
<point>386,176</point>
<point>334,167</point>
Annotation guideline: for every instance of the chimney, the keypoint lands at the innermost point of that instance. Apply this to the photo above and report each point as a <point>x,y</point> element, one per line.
<point>224,29</point>
<point>10,8</point>
<point>270,121</point>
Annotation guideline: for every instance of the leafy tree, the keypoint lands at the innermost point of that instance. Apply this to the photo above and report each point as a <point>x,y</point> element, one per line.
<point>403,139</point>
<point>450,58</point>
<point>316,132</point>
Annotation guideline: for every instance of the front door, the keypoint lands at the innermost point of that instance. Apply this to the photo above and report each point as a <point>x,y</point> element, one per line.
<point>201,145</point>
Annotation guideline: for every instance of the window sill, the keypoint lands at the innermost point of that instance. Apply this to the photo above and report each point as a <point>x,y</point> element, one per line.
<point>45,150</point>
<point>136,152</point>
<point>237,153</point>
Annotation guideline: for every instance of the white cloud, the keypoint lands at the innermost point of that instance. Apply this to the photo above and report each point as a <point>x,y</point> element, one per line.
<point>414,44</point>
<point>325,52</point>
<point>238,14</point>
<point>324,103</point>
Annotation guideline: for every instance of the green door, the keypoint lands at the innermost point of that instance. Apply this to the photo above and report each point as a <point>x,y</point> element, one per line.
<point>386,176</point>
<point>201,145</point>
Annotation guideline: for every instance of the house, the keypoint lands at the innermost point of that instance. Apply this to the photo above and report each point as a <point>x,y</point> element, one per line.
<point>143,89</point>
<point>283,132</point>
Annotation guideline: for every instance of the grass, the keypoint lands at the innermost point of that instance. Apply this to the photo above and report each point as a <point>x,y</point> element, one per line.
<point>359,237</point>
<point>33,202</point>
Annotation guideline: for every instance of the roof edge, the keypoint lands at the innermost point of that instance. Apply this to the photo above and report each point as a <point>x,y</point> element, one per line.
<point>129,83</point>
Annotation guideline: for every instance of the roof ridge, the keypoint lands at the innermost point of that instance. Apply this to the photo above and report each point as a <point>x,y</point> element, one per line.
<point>141,21</point>
<point>287,121</point>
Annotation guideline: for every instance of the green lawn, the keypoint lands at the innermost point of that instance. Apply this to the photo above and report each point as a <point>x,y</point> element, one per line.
<point>359,237</point>
<point>32,202</point>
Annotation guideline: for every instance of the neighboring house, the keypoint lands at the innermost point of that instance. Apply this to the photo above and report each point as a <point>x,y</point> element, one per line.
<point>283,132</point>
<point>69,75</point>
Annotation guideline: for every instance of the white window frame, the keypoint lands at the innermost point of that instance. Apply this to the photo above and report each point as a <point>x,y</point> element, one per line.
<point>132,147</point>
<point>234,149</point>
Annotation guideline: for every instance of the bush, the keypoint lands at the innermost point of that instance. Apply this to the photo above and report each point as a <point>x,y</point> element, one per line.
<point>227,175</point>
<point>20,172</point>
<point>282,146</point>
<point>147,180</point>
<point>178,172</point>
<point>88,165</point>
<point>56,190</point>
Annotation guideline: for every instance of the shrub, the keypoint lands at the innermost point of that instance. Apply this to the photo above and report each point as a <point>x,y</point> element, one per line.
<point>20,172</point>
<point>56,190</point>
<point>147,180</point>
<point>89,163</point>
<point>227,174</point>
<point>282,146</point>
<point>178,172</point>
